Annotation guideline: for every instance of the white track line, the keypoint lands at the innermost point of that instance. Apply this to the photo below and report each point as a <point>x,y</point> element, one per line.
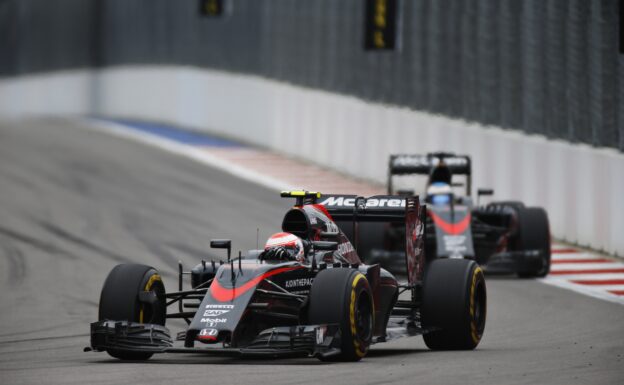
<point>189,151</point>
<point>585,266</point>
<point>590,277</point>
<point>579,255</point>
<point>591,291</point>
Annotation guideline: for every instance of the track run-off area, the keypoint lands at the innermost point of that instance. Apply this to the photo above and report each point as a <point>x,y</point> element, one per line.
<point>77,198</point>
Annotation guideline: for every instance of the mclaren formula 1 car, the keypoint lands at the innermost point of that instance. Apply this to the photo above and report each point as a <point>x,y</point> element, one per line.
<point>503,237</point>
<point>306,293</point>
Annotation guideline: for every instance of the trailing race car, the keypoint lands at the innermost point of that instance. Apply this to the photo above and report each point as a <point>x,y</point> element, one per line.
<point>503,237</point>
<point>306,293</point>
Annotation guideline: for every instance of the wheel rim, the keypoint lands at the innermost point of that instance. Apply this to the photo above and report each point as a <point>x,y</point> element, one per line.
<point>150,313</point>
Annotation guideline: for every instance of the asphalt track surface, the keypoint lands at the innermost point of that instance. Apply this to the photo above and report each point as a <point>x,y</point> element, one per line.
<point>74,203</point>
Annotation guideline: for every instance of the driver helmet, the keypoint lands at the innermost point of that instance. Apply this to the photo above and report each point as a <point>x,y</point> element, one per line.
<point>439,193</point>
<point>285,246</point>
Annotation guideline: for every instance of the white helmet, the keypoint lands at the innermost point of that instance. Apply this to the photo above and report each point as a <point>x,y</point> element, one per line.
<point>284,246</point>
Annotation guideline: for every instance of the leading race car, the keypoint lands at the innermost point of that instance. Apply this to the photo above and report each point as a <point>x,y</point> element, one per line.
<point>503,237</point>
<point>306,293</point>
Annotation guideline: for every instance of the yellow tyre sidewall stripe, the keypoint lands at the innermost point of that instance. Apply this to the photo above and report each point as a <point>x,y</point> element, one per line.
<point>148,287</point>
<point>476,337</point>
<point>360,350</point>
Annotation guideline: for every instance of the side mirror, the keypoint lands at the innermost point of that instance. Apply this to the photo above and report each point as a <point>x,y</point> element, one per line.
<point>330,235</point>
<point>482,192</point>
<point>222,244</point>
<point>325,245</point>
<point>405,192</point>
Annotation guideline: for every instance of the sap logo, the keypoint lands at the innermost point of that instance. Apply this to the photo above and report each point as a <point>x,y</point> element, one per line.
<point>371,202</point>
<point>214,313</point>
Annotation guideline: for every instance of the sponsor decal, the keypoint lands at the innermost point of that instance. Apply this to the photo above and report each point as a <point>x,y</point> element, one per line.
<point>455,245</point>
<point>214,313</point>
<point>217,306</point>
<point>410,161</point>
<point>345,247</point>
<point>208,332</point>
<point>213,321</point>
<point>418,232</point>
<point>423,161</point>
<point>371,202</point>
<point>299,282</point>
<point>331,227</point>
<point>381,24</point>
<point>221,294</point>
<point>320,334</point>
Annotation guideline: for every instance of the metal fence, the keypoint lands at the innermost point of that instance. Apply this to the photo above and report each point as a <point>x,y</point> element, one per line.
<point>551,67</point>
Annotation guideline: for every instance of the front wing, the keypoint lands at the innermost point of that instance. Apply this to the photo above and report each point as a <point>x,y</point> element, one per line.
<point>302,340</point>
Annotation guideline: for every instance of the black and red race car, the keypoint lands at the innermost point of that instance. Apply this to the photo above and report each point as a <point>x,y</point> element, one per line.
<point>307,293</point>
<point>503,237</point>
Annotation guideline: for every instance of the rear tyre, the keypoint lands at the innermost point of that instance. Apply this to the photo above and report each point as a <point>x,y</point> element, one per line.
<point>534,234</point>
<point>343,296</point>
<point>119,301</point>
<point>517,205</point>
<point>454,304</point>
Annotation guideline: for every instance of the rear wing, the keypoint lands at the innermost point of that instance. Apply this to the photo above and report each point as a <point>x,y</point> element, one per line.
<point>385,208</point>
<point>378,208</point>
<point>406,164</point>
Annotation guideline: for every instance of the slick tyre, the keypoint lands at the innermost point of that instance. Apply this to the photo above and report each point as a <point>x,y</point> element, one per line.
<point>119,301</point>
<point>454,304</point>
<point>516,205</point>
<point>534,234</point>
<point>343,296</point>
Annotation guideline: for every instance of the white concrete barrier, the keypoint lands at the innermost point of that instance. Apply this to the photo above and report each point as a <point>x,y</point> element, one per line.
<point>581,187</point>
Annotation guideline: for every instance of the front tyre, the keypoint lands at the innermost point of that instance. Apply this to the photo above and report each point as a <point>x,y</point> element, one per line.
<point>133,293</point>
<point>454,304</point>
<point>343,296</point>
